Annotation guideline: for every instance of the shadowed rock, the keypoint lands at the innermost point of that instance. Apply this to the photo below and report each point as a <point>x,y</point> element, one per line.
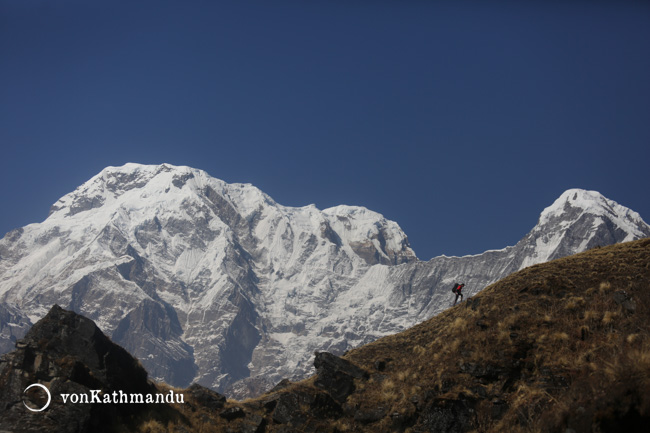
<point>336,375</point>
<point>205,397</point>
<point>68,354</point>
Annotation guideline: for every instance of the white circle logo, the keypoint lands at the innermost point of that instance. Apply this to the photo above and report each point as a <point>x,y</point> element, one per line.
<point>49,397</point>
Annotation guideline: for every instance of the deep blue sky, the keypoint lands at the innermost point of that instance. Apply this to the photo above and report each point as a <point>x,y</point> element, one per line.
<point>459,120</point>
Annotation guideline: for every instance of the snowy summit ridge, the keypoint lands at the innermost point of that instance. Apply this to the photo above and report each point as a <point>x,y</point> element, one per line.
<point>593,203</point>
<point>217,283</point>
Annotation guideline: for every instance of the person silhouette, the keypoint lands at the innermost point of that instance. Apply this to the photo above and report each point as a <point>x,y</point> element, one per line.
<point>458,291</point>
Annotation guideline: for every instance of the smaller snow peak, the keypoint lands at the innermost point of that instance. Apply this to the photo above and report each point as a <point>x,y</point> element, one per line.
<point>580,195</point>
<point>370,235</point>
<point>575,201</point>
<point>593,209</point>
<point>583,198</point>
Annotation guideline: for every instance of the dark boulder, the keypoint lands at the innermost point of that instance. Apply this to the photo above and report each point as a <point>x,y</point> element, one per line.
<point>336,375</point>
<point>288,409</point>
<point>68,354</point>
<point>205,397</point>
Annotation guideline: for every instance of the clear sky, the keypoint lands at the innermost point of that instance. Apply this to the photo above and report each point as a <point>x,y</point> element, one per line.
<point>460,120</point>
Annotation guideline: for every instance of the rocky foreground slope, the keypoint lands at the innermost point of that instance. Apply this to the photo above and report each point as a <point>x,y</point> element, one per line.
<point>561,347</point>
<point>216,283</point>
<point>68,354</point>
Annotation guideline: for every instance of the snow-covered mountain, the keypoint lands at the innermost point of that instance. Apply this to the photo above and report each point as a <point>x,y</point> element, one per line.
<point>217,283</point>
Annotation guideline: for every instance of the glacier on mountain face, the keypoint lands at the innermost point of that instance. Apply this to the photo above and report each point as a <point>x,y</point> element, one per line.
<point>217,283</point>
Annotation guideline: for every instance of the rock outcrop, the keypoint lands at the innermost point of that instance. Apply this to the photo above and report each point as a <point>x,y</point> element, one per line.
<point>68,354</point>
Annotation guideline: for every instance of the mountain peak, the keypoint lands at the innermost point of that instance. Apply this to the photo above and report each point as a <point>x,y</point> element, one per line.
<point>575,198</point>
<point>575,204</point>
<point>217,283</point>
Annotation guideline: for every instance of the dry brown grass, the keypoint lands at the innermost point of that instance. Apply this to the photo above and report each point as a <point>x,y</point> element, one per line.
<point>559,321</point>
<point>152,426</point>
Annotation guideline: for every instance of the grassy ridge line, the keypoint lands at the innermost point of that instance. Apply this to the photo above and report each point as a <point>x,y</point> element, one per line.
<point>564,343</point>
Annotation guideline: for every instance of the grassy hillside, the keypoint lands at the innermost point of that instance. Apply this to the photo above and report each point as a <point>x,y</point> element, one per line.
<point>565,344</point>
<point>560,347</point>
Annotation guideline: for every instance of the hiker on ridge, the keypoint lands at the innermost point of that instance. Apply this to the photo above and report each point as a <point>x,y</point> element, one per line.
<point>457,291</point>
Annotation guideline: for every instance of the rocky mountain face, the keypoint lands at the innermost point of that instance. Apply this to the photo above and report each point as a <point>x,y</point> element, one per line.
<point>216,283</point>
